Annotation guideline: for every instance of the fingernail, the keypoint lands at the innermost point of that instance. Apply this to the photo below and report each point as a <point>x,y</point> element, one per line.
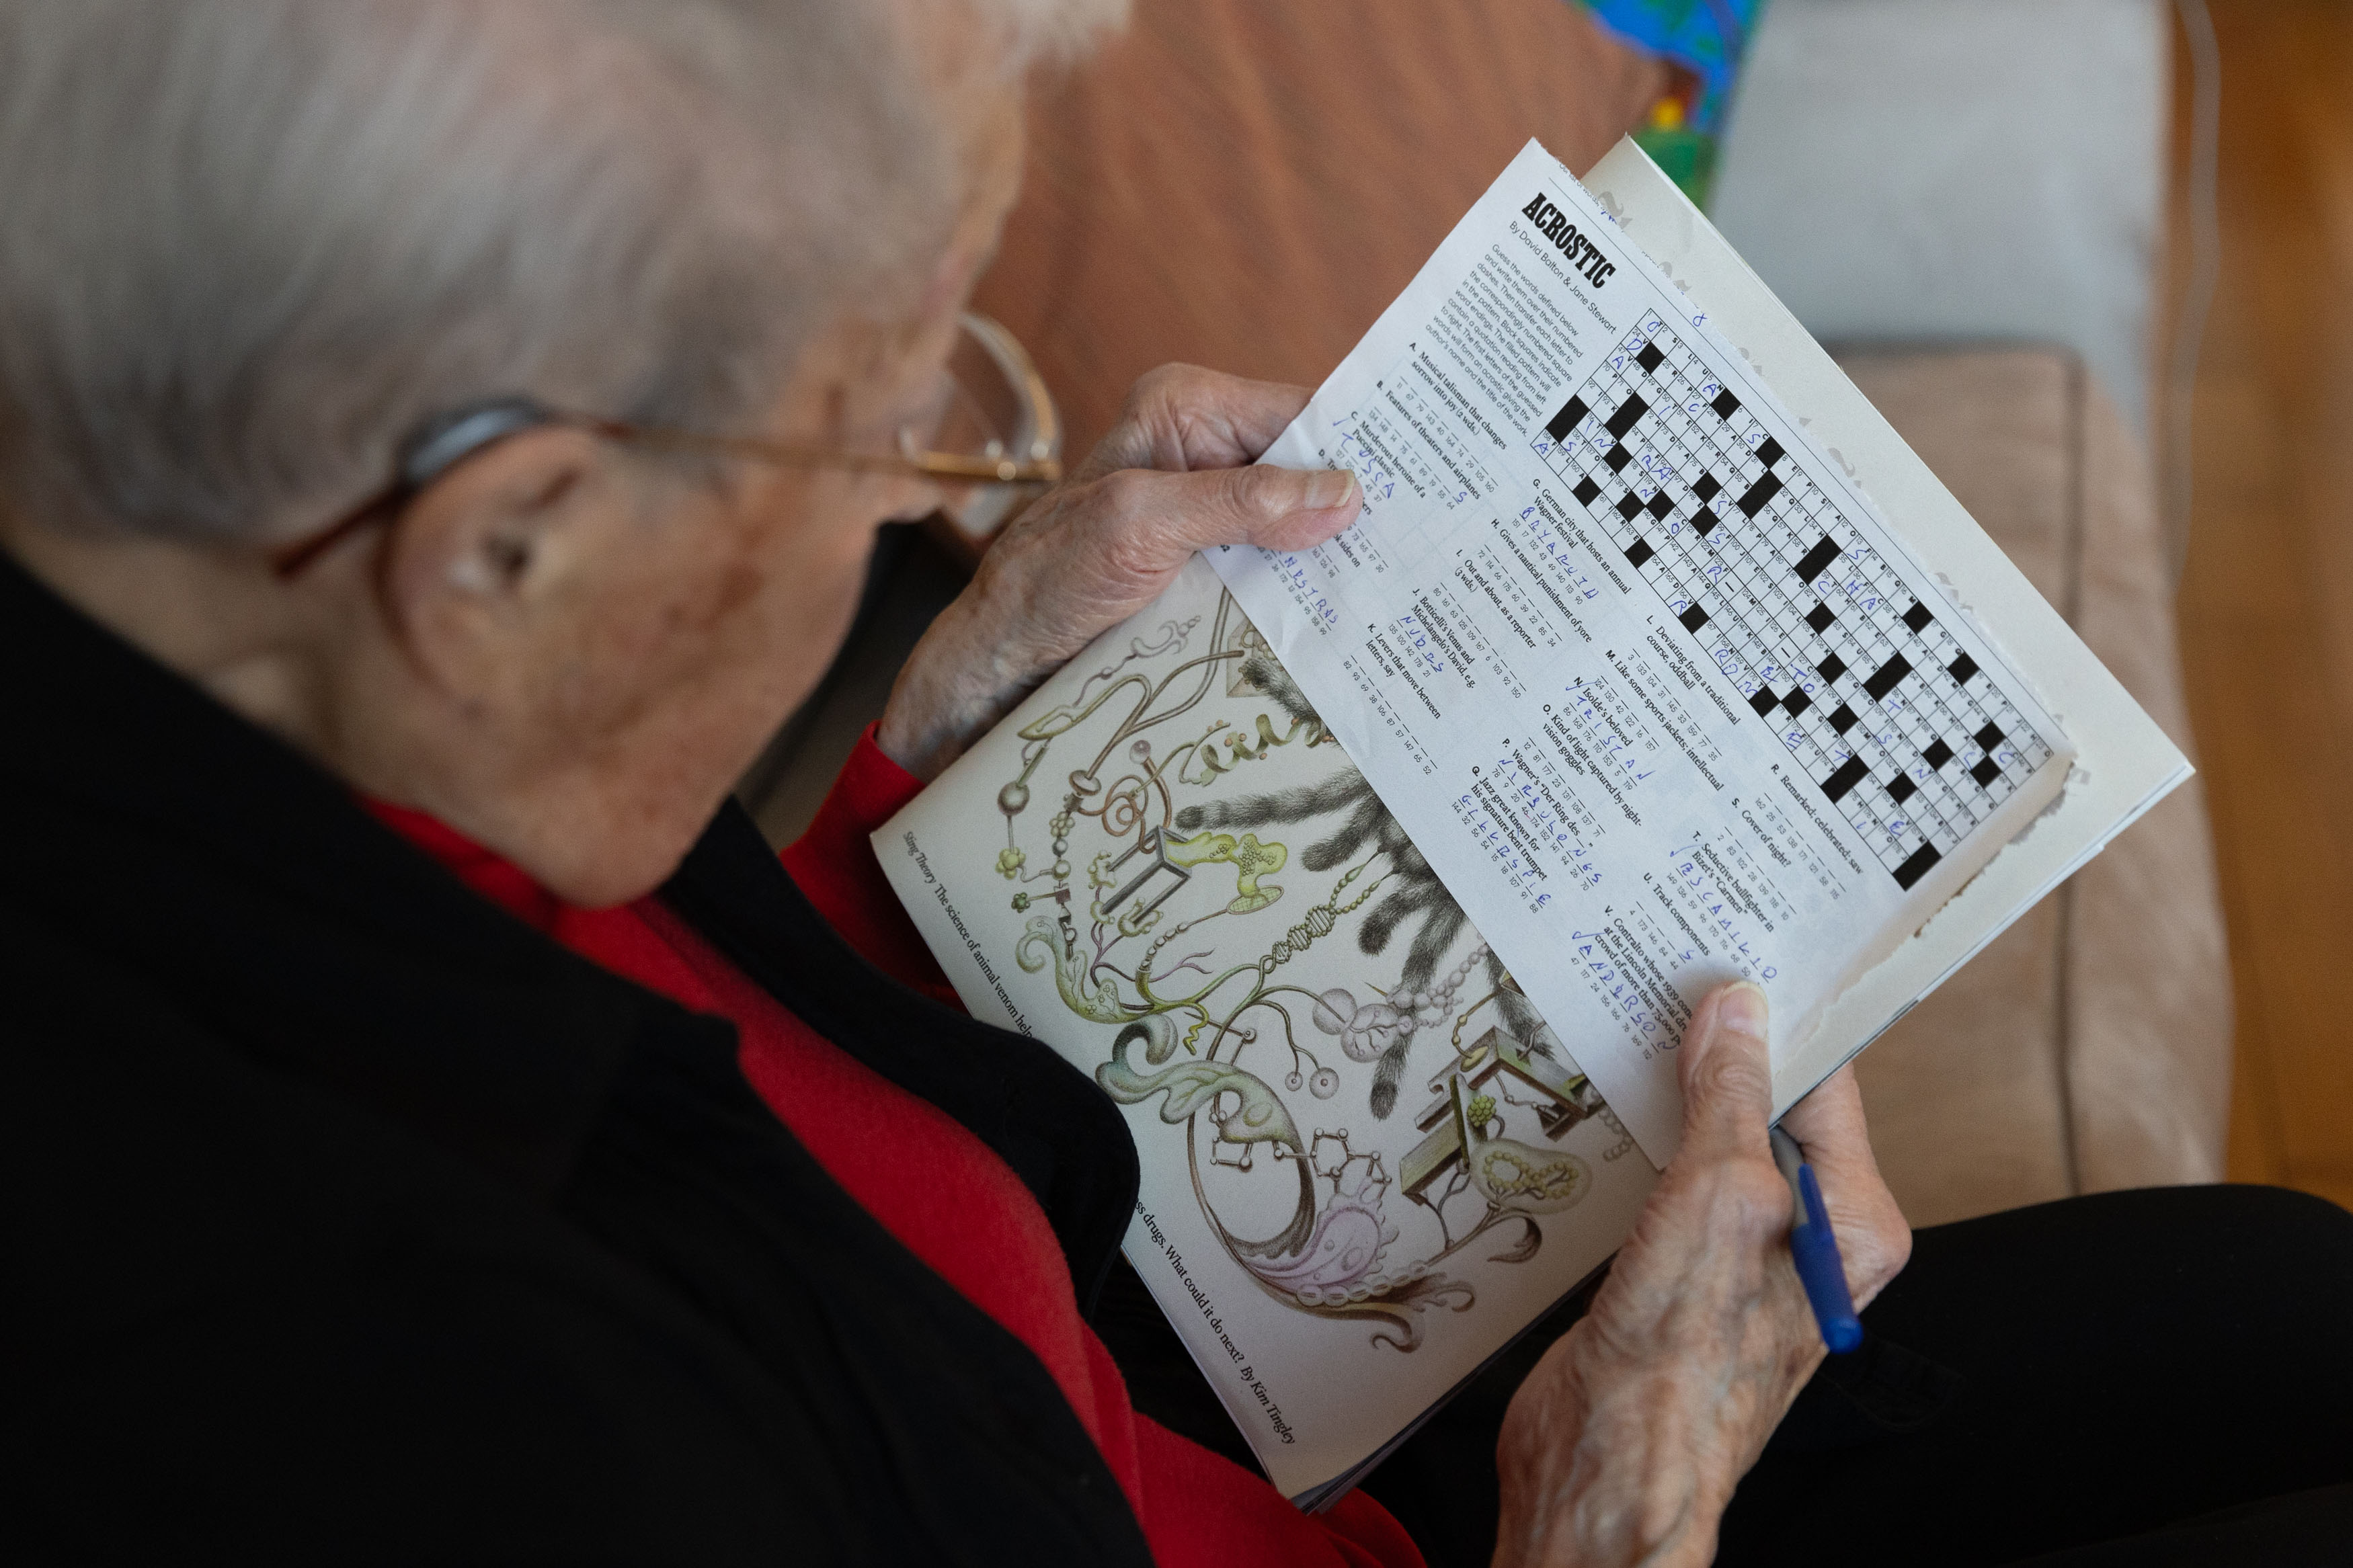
<point>1742,1010</point>
<point>1329,488</point>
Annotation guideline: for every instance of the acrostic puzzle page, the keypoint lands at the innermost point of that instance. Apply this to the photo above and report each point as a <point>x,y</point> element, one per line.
<point>1649,683</point>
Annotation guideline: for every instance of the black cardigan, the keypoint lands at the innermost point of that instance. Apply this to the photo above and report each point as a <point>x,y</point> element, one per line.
<point>345,1218</point>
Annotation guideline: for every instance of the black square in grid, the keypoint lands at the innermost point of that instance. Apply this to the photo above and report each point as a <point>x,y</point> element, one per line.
<point>1763,700</point>
<point>1987,738</point>
<point>1770,452</point>
<point>1587,492</point>
<point>1913,869</point>
<point>1820,617</point>
<point>1633,409</point>
<point>1572,414</point>
<point>1616,458</point>
<point>1831,667</point>
<point>1884,679</point>
<point>1903,789</point>
<point>1917,617</point>
<point>1707,489</point>
<point>1725,404</point>
<point>1692,619</point>
<point>1638,552</point>
<point>1661,504</point>
<point>1851,774</point>
<point>1650,359</point>
<point>1703,524</point>
<point>1962,668</point>
<point>1843,719</point>
<point>1937,754</point>
<point>1986,772</point>
<point>1629,506</point>
<point>1762,491</point>
<point>1817,560</point>
<point>1797,702</point>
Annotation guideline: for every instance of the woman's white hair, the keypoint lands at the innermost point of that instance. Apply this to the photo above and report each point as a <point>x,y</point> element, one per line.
<point>246,246</point>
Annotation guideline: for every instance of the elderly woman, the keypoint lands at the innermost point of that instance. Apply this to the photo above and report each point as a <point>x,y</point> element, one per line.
<point>439,442</point>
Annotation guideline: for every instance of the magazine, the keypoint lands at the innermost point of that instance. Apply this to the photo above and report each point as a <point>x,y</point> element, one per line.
<point>1377,883</point>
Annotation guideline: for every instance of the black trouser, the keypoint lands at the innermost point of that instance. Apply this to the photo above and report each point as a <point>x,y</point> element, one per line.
<point>2153,1378</point>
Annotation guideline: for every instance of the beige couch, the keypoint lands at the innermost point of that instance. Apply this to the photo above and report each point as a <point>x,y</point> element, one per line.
<point>1247,185</point>
<point>2089,1048</point>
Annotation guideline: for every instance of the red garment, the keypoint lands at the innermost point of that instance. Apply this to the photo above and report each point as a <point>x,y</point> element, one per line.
<point>992,1241</point>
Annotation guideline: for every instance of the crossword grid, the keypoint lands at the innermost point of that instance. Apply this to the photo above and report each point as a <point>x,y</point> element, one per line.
<point>1874,699</point>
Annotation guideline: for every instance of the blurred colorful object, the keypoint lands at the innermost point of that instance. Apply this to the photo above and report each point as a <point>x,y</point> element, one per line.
<point>1703,40</point>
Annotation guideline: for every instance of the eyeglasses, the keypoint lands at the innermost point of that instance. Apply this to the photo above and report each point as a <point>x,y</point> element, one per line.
<point>443,443</point>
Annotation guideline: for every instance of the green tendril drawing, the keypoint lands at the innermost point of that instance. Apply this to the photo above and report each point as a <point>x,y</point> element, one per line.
<point>1170,905</point>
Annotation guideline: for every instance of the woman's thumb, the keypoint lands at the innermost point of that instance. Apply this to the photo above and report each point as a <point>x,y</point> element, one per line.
<point>1281,509</point>
<point>1727,1073</point>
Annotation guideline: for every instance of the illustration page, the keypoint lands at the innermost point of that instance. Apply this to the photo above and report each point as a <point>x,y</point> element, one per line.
<point>1367,1163</point>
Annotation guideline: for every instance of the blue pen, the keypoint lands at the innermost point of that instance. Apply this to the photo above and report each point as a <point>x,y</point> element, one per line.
<point>1815,1250</point>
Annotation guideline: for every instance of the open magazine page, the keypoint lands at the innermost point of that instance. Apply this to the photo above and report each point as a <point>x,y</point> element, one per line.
<point>1627,654</point>
<point>1367,1163</point>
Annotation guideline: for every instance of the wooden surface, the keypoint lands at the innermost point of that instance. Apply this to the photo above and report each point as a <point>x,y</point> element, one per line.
<point>2266,599</point>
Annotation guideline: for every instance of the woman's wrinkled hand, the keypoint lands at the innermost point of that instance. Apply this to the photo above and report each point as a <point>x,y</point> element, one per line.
<point>1625,1442</point>
<point>1173,477</point>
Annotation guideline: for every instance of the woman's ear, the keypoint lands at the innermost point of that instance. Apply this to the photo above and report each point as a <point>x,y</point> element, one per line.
<point>473,572</point>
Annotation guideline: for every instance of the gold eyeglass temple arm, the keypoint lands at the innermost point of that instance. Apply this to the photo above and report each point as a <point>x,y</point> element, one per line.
<point>932,464</point>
